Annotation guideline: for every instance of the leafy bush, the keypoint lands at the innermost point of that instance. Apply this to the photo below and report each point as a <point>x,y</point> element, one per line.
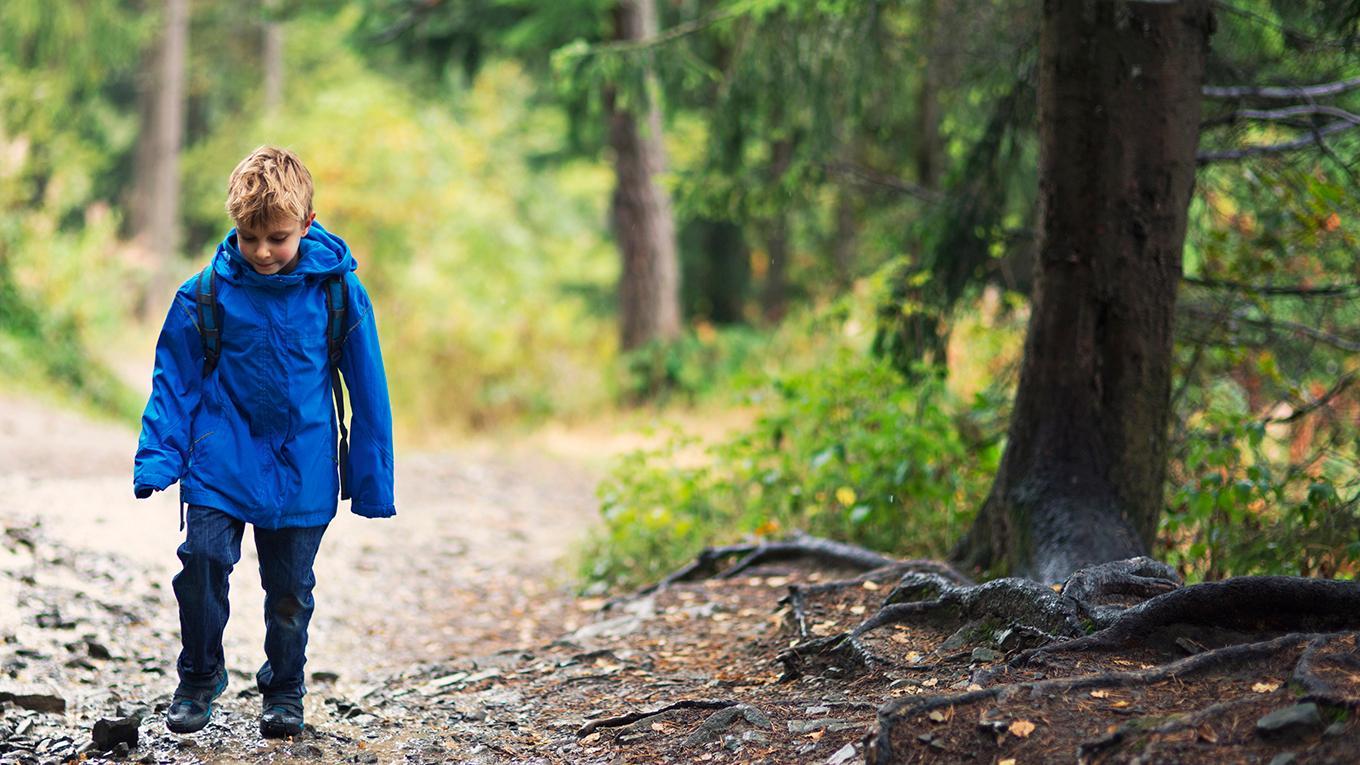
<point>847,451</point>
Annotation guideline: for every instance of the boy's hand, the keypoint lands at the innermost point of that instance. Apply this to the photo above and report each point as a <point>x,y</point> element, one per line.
<point>143,491</point>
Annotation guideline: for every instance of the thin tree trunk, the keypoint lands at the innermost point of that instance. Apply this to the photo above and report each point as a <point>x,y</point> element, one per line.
<point>1082,478</point>
<point>774,299</point>
<point>273,58</point>
<point>929,152</point>
<point>156,198</point>
<point>649,288</point>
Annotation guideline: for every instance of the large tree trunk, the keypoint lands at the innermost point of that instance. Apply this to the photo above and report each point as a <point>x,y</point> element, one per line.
<point>649,288</point>
<point>1081,481</point>
<point>155,197</point>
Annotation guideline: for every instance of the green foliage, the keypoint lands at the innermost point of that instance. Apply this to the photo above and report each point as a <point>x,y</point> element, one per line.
<point>63,72</point>
<point>480,261</point>
<point>847,451</point>
<point>1236,513</point>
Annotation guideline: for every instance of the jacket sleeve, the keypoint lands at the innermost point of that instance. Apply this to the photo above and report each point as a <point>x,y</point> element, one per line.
<point>371,480</point>
<point>176,385</point>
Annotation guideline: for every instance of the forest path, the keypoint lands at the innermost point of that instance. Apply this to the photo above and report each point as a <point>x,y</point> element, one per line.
<point>470,565</point>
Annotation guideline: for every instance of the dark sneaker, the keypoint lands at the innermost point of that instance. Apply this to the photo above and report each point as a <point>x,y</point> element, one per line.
<point>191,708</point>
<point>282,718</point>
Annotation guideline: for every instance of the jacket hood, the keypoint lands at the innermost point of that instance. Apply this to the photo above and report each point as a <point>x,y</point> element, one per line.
<point>320,254</point>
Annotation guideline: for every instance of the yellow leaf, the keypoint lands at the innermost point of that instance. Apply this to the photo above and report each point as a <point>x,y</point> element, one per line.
<point>936,715</point>
<point>1021,728</point>
<point>845,495</point>
<point>1007,761</point>
<point>1265,687</point>
<point>868,585</point>
<point>931,683</point>
<point>856,610</point>
<point>1120,704</point>
<point>1099,694</point>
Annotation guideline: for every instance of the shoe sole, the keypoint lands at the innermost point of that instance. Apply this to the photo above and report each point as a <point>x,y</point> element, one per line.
<point>189,728</point>
<point>278,730</point>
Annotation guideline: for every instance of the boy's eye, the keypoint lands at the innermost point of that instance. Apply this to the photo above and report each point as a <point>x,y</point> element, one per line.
<point>277,239</point>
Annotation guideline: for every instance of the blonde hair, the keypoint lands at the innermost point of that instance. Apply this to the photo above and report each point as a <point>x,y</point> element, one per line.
<point>269,185</point>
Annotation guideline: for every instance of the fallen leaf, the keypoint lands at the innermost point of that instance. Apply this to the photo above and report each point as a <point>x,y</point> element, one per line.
<point>1206,733</point>
<point>660,727</point>
<point>973,687</point>
<point>1099,694</point>
<point>912,656</point>
<point>816,735</point>
<point>868,585</point>
<point>1120,704</point>
<point>1007,761</point>
<point>1056,587</point>
<point>1265,687</point>
<point>777,581</point>
<point>857,610</point>
<point>1021,728</point>
<point>936,715</point>
<point>931,683</point>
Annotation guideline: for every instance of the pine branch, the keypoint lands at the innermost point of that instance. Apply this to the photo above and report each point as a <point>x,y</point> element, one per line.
<point>1299,92</point>
<point>1209,157</point>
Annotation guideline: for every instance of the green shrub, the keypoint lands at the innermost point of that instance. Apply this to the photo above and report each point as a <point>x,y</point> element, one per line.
<point>847,451</point>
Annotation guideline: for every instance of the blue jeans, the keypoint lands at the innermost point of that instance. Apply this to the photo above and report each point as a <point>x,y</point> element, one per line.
<point>211,549</point>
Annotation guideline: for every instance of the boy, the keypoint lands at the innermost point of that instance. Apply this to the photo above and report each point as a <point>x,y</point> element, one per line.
<point>241,415</point>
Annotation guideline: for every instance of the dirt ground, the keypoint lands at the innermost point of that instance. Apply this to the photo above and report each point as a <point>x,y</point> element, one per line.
<point>450,634</point>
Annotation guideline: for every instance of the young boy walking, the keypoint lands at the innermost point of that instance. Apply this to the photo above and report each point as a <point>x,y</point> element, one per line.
<point>241,414</point>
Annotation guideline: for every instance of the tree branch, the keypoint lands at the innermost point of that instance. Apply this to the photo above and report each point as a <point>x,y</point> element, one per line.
<point>1328,290</point>
<point>1299,92</point>
<point>1276,325</point>
<point>1282,114</point>
<point>1205,158</point>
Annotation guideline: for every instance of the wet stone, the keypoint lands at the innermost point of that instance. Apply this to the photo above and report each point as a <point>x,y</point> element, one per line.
<point>109,733</point>
<point>1290,722</point>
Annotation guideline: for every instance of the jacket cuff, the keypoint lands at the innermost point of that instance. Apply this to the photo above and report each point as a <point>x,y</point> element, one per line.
<point>373,511</point>
<point>143,485</point>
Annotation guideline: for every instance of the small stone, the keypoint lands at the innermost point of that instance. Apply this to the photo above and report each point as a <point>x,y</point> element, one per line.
<point>110,733</point>
<point>1283,758</point>
<point>842,755</point>
<point>325,677</point>
<point>732,743</point>
<point>986,655</point>
<point>1335,729</point>
<point>1295,721</point>
<point>97,650</point>
<point>808,726</point>
<point>817,710</point>
<point>122,749</point>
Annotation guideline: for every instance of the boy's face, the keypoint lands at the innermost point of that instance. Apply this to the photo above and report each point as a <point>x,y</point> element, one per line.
<point>273,248</point>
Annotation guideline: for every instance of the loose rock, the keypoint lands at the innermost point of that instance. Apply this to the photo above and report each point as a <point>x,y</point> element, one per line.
<point>1289,722</point>
<point>110,733</point>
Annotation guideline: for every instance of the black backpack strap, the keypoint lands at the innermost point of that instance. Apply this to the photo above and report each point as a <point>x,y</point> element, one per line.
<point>336,308</point>
<point>209,326</point>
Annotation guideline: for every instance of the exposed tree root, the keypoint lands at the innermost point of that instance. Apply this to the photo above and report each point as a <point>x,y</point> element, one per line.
<point>1221,613</point>
<point>880,750</point>
<point>1002,608</point>
<point>632,717</point>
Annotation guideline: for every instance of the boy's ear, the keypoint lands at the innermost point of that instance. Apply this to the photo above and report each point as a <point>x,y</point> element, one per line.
<point>307,223</point>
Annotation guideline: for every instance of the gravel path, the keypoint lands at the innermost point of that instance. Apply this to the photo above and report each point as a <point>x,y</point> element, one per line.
<point>470,566</point>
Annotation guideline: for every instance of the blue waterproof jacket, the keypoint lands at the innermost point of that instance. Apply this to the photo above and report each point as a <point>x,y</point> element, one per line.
<point>256,438</point>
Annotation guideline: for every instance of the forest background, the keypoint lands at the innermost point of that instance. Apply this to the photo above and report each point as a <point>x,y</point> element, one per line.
<point>847,191</point>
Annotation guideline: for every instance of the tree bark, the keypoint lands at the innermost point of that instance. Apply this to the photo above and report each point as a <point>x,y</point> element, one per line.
<point>155,203</point>
<point>1081,481</point>
<point>649,288</point>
